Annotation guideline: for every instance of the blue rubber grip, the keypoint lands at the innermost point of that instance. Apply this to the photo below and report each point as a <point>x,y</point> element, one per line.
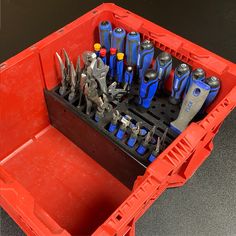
<point>112,65</point>
<point>163,73</point>
<point>210,98</point>
<point>97,53</point>
<point>129,77</point>
<point>141,149</point>
<point>179,85</point>
<point>119,70</point>
<point>145,58</point>
<point>120,134</point>
<point>96,118</point>
<point>104,59</point>
<point>118,40</point>
<point>111,128</point>
<point>143,132</point>
<point>131,49</point>
<point>151,158</point>
<point>105,35</point>
<point>131,142</point>
<point>147,91</point>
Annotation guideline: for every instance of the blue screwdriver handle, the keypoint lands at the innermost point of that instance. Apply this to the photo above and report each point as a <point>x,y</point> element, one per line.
<point>119,70</point>
<point>148,88</point>
<point>163,68</point>
<point>129,76</point>
<point>179,83</point>
<point>118,39</point>
<point>105,30</point>
<point>214,84</point>
<point>145,57</point>
<point>198,74</point>
<point>131,49</point>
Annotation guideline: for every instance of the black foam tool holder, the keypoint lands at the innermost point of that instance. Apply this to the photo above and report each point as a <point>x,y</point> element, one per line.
<point>93,137</point>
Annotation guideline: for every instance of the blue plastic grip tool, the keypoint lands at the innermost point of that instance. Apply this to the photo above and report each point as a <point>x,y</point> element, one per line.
<point>192,103</point>
<point>131,141</point>
<point>145,57</point>
<point>105,30</point>
<point>197,74</point>
<point>156,151</point>
<point>96,118</point>
<point>120,134</point>
<point>120,67</point>
<point>118,39</point>
<point>131,48</point>
<point>112,127</point>
<point>112,62</point>
<point>125,122</point>
<point>214,84</point>
<point>163,66</point>
<point>97,48</point>
<point>179,83</point>
<point>148,88</point>
<point>134,134</point>
<point>143,146</point>
<point>141,149</point>
<point>115,117</point>
<point>129,76</point>
<point>151,158</point>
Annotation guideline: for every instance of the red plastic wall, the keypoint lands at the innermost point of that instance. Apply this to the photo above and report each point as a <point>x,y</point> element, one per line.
<point>22,107</point>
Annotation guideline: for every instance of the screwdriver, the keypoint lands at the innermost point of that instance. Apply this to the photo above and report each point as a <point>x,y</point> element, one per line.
<point>145,57</point>
<point>97,47</point>
<point>179,83</point>
<point>131,50</point>
<point>163,66</point>
<point>120,67</point>
<point>103,55</point>
<point>129,76</point>
<point>214,84</point>
<point>125,122</point>
<point>192,103</point>
<point>118,39</point>
<point>143,146</point>
<point>115,117</point>
<point>134,134</point>
<point>156,151</point>
<point>105,30</point>
<point>148,87</point>
<point>198,74</point>
<point>112,63</point>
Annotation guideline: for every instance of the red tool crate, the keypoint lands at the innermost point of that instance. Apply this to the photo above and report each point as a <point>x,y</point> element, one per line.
<point>50,186</point>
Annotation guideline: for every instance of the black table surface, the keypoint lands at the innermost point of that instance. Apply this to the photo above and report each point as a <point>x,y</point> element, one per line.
<point>206,205</point>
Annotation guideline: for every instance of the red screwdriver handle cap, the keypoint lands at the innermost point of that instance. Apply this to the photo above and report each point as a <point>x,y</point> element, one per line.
<point>103,52</point>
<point>112,51</point>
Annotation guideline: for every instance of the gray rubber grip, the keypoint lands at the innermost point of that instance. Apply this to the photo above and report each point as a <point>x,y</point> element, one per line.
<point>191,105</point>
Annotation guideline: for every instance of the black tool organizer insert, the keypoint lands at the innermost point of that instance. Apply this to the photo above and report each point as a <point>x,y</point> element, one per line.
<point>113,154</point>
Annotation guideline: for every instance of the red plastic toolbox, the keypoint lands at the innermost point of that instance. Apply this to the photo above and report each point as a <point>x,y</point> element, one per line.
<point>48,185</point>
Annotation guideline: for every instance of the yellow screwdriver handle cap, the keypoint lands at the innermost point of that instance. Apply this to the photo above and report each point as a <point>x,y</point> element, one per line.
<point>97,47</point>
<point>120,55</point>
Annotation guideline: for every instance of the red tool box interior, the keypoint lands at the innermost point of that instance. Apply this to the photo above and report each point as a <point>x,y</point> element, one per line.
<point>48,184</point>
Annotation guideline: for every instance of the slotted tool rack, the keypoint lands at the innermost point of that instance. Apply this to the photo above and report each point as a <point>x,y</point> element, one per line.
<point>94,138</point>
<point>41,186</point>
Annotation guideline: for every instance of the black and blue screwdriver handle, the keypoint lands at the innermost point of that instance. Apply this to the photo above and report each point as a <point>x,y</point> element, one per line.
<point>192,103</point>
